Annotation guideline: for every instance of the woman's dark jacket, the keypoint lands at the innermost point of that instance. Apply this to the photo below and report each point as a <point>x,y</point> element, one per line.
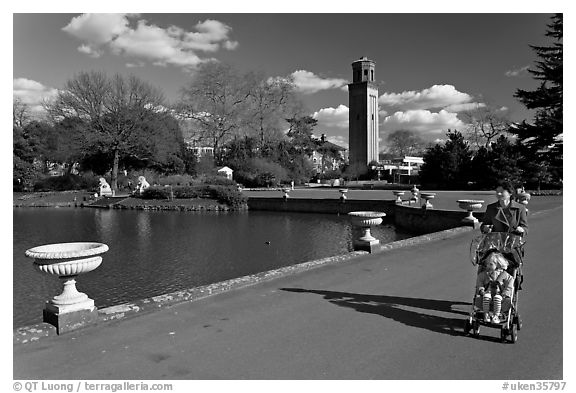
<point>495,216</point>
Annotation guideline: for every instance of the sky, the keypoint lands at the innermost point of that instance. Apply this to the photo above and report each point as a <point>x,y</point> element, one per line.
<point>429,67</point>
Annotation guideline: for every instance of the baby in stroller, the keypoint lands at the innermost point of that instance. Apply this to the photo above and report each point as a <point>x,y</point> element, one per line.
<point>495,287</point>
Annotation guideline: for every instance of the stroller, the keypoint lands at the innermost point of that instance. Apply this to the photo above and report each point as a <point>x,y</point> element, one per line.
<point>512,248</point>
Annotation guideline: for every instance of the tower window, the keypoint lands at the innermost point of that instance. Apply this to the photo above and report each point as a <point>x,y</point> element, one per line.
<point>357,117</point>
<point>372,72</point>
<point>365,72</point>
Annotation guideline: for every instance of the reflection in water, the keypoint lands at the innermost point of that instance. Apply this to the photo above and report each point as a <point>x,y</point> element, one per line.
<point>153,253</point>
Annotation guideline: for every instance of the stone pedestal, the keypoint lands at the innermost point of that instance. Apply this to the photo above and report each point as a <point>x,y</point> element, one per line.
<point>69,321</point>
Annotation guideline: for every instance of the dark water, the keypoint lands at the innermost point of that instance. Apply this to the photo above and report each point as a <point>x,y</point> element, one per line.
<point>152,253</point>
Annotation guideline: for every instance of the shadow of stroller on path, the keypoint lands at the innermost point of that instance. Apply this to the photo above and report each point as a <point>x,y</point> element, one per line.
<point>392,307</point>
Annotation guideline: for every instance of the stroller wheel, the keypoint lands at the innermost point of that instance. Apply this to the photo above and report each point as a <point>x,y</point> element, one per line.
<point>503,334</point>
<point>475,328</point>
<point>467,326</point>
<point>513,334</point>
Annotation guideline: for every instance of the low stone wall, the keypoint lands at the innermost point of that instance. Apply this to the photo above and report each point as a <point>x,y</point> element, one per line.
<point>325,206</point>
<point>420,221</point>
<point>415,220</point>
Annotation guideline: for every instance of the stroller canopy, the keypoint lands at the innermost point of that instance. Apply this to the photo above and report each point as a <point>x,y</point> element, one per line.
<point>510,245</point>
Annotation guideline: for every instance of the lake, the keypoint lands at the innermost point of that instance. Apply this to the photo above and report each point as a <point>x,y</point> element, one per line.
<point>155,252</point>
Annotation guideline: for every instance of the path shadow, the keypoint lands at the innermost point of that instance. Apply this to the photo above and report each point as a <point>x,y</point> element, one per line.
<point>393,307</point>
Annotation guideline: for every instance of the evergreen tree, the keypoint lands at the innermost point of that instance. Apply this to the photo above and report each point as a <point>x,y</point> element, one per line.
<point>447,166</point>
<point>545,134</point>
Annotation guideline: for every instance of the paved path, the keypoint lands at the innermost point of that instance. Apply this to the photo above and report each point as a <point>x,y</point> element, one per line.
<point>393,315</point>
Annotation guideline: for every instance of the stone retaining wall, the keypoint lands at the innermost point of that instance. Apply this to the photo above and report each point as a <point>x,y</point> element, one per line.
<point>412,219</point>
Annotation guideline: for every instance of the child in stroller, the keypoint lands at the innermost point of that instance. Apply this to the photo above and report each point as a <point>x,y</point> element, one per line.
<point>495,287</point>
<point>498,256</point>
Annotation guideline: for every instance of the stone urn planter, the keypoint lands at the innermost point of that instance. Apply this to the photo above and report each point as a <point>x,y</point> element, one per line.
<point>470,205</point>
<point>427,196</point>
<point>286,192</point>
<point>414,192</point>
<point>343,192</point>
<point>71,309</point>
<point>398,195</point>
<point>364,220</point>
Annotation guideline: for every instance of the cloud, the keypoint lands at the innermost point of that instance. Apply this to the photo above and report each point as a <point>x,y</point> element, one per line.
<point>464,107</point>
<point>424,122</point>
<point>141,41</point>
<point>338,140</point>
<point>308,83</point>
<point>32,93</point>
<point>437,96</point>
<point>523,71</point>
<point>332,117</point>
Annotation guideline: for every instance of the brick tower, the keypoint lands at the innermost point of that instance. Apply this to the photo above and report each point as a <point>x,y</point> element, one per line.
<point>363,113</point>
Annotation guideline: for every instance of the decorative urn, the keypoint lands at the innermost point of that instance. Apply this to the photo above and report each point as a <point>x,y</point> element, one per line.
<point>364,220</point>
<point>470,205</point>
<point>398,195</point>
<point>286,191</point>
<point>70,309</point>
<point>343,192</point>
<point>414,192</point>
<point>427,196</point>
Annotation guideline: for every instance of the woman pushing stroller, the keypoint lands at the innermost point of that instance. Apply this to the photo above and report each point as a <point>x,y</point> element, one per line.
<point>498,254</point>
<point>505,215</point>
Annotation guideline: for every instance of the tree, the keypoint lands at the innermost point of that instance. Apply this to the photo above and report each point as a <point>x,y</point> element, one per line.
<point>113,110</point>
<point>485,124</point>
<point>404,143</point>
<point>447,165</point>
<point>547,128</point>
<point>499,161</point>
<point>270,102</point>
<point>216,100</point>
<point>300,133</point>
<point>20,113</point>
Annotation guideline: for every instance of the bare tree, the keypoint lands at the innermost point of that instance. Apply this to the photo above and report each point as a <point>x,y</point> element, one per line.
<point>216,99</point>
<point>485,124</point>
<point>20,113</point>
<point>271,102</point>
<point>112,109</point>
<point>404,143</point>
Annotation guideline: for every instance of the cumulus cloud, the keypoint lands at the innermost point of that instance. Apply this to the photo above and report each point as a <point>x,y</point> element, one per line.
<point>32,93</point>
<point>518,72</point>
<point>308,83</point>
<point>332,117</point>
<point>143,41</point>
<point>437,96</point>
<point>427,124</point>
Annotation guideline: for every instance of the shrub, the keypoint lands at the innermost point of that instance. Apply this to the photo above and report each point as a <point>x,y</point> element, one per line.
<point>155,192</point>
<point>66,182</point>
<point>228,195</point>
